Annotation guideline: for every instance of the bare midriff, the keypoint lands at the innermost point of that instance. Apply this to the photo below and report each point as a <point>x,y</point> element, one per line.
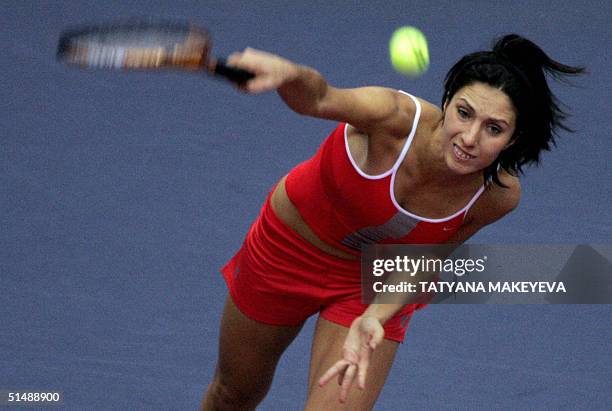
<point>288,213</point>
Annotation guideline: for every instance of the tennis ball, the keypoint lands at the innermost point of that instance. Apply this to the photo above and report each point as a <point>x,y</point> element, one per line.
<point>408,51</point>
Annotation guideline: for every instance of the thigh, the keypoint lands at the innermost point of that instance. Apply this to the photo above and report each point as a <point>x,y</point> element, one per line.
<point>327,346</point>
<point>249,350</point>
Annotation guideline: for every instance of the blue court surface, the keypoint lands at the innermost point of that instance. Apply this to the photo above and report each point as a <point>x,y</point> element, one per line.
<point>121,196</point>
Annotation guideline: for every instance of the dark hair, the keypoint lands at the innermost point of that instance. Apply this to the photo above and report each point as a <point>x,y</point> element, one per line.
<point>517,67</point>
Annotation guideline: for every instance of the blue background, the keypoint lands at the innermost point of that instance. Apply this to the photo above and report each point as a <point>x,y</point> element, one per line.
<point>121,195</point>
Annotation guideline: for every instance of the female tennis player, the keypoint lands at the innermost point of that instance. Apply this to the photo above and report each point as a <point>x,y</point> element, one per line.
<point>396,169</point>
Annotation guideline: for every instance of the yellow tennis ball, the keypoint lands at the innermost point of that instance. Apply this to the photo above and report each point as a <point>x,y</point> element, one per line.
<point>409,52</point>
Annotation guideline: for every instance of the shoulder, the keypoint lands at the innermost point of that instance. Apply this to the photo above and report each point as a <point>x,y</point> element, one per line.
<point>431,115</point>
<point>399,110</point>
<point>408,107</point>
<point>495,202</point>
<point>379,111</point>
<point>492,205</point>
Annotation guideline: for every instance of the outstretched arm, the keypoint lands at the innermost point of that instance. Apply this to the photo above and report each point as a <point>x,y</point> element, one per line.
<point>305,91</point>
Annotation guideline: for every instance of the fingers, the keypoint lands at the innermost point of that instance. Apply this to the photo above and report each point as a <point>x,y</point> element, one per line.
<point>270,71</point>
<point>234,59</point>
<point>377,338</point>
<point>350,354</point>
<point>365,334</point>
<point>373,335</point>
<point>364,363</point>
<point>251,60</point>
<point>241,59</point>
<point>244,60</point>
<point>345,371</point>
<point>349,376</point>
<point>336,369</point>
<point>261,84</point>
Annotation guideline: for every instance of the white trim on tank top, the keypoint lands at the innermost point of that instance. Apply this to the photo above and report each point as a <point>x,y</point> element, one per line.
<point>396,165</point>
<point>398,162</point>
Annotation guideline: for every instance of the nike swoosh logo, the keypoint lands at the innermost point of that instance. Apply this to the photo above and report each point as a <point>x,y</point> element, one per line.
<point>448,228</point>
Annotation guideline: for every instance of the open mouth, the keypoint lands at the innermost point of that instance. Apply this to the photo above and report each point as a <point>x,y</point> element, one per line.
<point>460,154</point>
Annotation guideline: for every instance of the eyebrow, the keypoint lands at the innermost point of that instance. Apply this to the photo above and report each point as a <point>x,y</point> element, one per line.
<point>499,120</point>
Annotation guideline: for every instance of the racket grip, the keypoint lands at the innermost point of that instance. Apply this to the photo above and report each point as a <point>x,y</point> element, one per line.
<point>234,74</point>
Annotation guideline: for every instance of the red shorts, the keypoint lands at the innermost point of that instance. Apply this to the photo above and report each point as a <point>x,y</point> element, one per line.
<point>279,278</point>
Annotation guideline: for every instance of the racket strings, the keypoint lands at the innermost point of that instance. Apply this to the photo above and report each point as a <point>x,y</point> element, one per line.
<point>138,49</point>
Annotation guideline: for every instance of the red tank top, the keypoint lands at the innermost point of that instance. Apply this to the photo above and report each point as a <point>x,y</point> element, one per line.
<point>348,209</point>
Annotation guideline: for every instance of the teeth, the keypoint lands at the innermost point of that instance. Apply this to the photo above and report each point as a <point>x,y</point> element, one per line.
<point>462,155</point>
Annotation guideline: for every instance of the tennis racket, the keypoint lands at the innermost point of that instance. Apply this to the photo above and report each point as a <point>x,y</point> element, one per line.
<point>145,46</point>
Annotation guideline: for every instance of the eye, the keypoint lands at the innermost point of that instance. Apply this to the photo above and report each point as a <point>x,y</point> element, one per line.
<point>463,113</point>
<point>494,130</point>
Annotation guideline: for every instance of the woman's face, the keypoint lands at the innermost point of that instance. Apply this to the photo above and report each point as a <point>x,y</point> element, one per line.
<point>479,122</point>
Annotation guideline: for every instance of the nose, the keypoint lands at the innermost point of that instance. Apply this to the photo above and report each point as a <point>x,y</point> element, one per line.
<point>469,137</point>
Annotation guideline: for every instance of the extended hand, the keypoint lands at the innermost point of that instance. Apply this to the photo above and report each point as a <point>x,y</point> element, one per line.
<point>270,70</point>
<point>363,337</point>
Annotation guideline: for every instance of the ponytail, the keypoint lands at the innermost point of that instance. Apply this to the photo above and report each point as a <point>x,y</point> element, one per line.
<point>534,63</point>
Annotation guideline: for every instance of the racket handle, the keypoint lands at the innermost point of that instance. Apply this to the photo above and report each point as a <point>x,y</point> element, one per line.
<point>236,75</point>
